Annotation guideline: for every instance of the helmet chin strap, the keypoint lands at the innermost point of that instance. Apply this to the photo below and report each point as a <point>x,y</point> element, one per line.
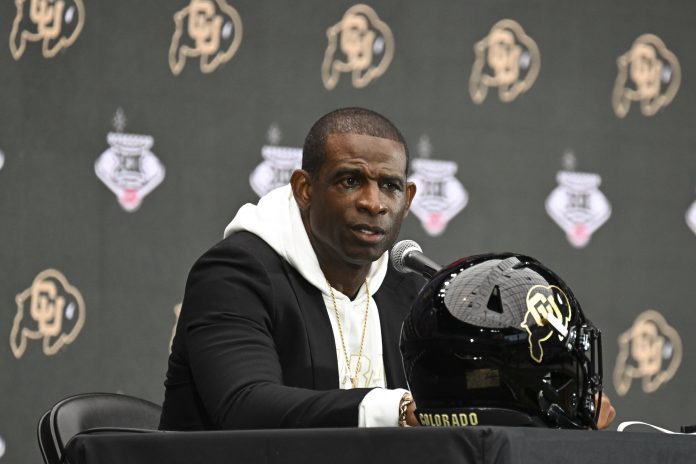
<point>555,414</point>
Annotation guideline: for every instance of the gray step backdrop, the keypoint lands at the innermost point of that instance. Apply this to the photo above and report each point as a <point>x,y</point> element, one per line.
<point>64,234</point>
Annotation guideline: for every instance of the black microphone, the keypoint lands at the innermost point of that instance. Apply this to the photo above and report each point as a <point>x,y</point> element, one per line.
<point>407,256</point>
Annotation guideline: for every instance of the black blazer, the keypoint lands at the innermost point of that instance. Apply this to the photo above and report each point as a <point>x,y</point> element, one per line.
<point>254,346</point>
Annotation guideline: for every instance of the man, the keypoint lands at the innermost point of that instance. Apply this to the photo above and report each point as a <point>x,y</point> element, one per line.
<point>293,319</point>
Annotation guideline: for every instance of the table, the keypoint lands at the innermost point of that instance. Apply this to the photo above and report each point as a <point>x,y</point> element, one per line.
<point>418,445</point>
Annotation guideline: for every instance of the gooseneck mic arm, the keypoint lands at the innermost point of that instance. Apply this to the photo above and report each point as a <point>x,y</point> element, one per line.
<point>407,256</point>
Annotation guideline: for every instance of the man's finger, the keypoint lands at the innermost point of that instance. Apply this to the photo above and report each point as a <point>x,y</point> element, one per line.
<point>607,413</point>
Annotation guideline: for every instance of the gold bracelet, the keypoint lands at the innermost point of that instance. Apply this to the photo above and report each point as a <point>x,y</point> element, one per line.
<point>406,400</point>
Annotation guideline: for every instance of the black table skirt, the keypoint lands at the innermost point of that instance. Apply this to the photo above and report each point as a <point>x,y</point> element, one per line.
<point>402,445</point>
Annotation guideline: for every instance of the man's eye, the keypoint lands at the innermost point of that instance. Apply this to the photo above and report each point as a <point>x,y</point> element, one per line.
<point>349,182</point>
<point>392,186</point>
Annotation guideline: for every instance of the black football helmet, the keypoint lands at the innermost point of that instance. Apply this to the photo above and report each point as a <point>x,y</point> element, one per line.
<point>499,339</point>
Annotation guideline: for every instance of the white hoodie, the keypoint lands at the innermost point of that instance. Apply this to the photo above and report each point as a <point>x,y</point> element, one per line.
<point>276,220</point>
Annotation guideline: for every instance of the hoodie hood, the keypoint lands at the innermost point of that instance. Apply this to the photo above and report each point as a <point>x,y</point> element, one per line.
<point>276,220</point>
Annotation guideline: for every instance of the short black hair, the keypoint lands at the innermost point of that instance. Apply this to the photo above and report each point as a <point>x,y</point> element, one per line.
<point>351,120</point>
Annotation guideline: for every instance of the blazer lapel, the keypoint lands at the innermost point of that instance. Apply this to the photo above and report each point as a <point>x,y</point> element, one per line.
<point>318,331</point>
<point>391,316</point>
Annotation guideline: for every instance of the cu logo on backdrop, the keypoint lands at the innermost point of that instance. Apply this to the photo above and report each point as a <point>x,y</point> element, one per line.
<point>54,23</point>
<point>50,310</point>
<point>506,59</point>
<point>360,44</point>
<point>651,350</point>
<point>648,73</point>
<point>210,30</point>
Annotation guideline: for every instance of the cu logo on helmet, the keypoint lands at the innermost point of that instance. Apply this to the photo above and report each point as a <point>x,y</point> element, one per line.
<point>548,313</point>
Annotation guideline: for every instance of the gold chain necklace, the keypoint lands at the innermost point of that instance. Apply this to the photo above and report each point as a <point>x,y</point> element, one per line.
<point>353,379</point>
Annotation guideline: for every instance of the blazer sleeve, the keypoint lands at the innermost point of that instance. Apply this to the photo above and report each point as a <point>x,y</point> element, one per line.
<point>228,323</point>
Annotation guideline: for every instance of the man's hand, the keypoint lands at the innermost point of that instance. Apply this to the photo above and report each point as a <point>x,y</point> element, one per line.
<point>607,412</point>
<point>411,420</point>
<point>407,411</point>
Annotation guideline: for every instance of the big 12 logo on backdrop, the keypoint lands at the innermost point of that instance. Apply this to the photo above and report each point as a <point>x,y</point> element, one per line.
<point>691,217</point>
<point>439,194</point>
<point>277,166</point>
<point>578,206</point>
<point>128,167</point>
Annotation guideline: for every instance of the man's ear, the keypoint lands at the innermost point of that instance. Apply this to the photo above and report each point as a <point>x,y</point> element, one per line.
<point>410,193</point>
<point>301,183</point>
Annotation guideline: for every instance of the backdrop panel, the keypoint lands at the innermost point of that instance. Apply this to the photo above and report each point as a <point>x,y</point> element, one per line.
<point>130,135</point>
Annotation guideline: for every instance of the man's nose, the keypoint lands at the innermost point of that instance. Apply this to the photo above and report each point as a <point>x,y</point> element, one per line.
<point>371,199</point>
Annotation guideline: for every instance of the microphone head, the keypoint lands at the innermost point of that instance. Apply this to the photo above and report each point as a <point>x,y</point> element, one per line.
<point>399,251</point>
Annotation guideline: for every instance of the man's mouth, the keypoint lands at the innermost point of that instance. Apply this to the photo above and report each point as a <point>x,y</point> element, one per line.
<point>368,233</point>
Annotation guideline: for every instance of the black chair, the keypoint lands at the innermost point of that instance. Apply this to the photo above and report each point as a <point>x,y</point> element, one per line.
<point>48,450</point>
<point>90,412</point>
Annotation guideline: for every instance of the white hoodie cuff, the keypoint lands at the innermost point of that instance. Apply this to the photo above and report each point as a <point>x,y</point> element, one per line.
<point>380,408</point>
